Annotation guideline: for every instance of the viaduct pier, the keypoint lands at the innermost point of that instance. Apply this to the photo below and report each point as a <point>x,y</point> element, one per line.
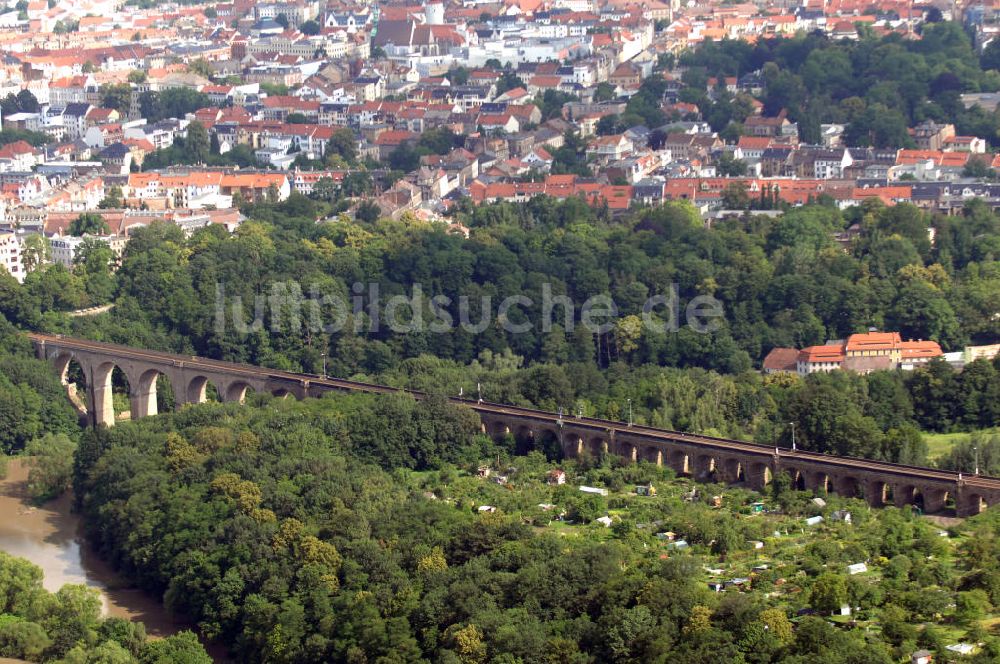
<point>702,457</point>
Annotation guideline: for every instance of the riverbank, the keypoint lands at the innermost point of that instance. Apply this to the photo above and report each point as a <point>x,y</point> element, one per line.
<point>49,536</point>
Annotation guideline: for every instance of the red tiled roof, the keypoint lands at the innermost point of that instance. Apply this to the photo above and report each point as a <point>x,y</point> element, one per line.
<point>394,137</point>
<point>888,195</point>
<point>815,354</point>
<point>781,359</point>
<point>911,350</point>
<point>15,149</point>
<point>755,142</point>
<point>872,341</point>
<point>541,81</point>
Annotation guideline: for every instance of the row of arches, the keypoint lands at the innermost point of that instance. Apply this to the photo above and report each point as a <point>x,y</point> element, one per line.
<point>708,465</point>
<point>575,444</point>
<point>879,493</point>
<point>103,391</point>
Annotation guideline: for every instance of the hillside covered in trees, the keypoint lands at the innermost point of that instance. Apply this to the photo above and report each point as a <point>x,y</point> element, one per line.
<point>276,528</point>
<point>32,401</point>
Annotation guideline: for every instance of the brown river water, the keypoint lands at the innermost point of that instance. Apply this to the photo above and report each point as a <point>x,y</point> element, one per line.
<point>49,536</point>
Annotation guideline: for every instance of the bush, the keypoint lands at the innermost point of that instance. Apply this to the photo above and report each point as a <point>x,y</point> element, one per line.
<point>22,638</point>
<point>51,470</point>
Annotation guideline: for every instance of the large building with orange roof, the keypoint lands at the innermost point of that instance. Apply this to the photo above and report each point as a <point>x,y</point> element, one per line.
<point>820,359</point>
<point>867,351</point>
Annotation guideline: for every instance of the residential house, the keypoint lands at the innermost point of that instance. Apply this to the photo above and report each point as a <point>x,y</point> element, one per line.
<point>819,359</point>
<point>469,97</point>
<point>776,126</point>
<point>819,163</point>
<point>930,135</point>
<point>100,136</point>
<point>334,113</point>
<point>913,354</point>
<point>753,147</point>
<point>100,116</point>
<point>609,148</point>
<point>10,255</point>
<point>626,75</point>
<point>866,352</point>
<point>304,182</point>
<point>403,197</point>
<point>368,88</point>
<point>389,141</point>
<point>972,144</point>
<point>66,247</point>
<point>434,183</point>
<point>525,113</point>
<point>634,168</point>
<point>459,163</point>
<point>538,84</point>
<point>521,143</point>
<point>19,156</point>
<point>506,123</point>
<point>538,159</point>
<point>255,186</point>
<point>684,146</point>
<point>648,191</point>
<point>774,161</point>
<point>280,107</point>
<point>117,157</point>
<point>74,119</point>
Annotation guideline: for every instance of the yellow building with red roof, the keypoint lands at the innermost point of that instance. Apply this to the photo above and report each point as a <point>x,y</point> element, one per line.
<point>867,351</point>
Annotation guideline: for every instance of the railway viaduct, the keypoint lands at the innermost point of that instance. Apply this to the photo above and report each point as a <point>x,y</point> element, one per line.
<point>701,457</point>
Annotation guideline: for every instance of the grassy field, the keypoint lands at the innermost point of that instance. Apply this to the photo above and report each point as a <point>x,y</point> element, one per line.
<point>938,444</point>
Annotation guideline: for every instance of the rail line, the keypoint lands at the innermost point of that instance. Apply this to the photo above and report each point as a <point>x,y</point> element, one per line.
<point>555,419</point>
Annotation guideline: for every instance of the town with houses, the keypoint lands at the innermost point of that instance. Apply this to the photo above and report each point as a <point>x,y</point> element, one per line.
<point>271,99</point>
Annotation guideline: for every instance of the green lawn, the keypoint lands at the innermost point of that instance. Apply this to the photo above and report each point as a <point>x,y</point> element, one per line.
<point>938,444</point>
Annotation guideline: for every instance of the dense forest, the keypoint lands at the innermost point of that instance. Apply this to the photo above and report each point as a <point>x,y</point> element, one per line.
<point>289,531</point>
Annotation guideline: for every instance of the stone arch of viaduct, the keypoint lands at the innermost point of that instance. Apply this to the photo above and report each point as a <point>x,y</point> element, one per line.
<point>754,469</point>
<point>700,457</point>
<point>189,383</point>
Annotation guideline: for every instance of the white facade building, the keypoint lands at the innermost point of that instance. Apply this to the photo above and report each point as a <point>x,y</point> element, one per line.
<point>10,255</point>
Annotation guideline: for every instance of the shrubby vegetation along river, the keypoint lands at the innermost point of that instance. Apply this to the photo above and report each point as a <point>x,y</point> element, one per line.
<point>47,535</point>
